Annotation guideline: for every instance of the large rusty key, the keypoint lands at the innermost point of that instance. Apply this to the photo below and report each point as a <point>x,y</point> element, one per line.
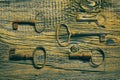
<point>38,23</point>
<point>64,34</point>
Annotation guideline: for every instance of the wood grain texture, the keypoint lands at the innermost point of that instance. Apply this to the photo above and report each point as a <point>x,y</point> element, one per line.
<point>58,65</point>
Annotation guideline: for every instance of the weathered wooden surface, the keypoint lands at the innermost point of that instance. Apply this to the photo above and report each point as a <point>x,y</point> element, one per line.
<point>58,65</point>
